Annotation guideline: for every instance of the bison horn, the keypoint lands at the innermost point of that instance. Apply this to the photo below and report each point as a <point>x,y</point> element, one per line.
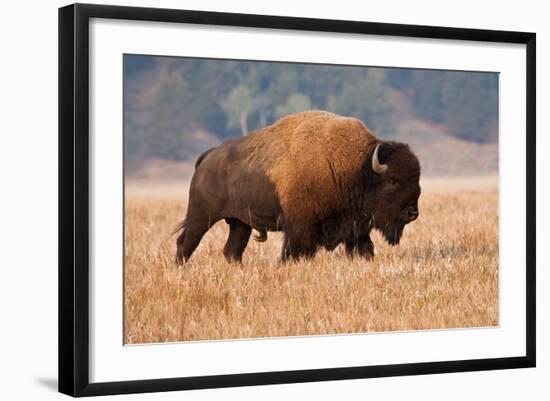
<point>376,165</point>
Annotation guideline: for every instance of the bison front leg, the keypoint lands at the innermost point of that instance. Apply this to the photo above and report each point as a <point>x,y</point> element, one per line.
<point>239,234</point>
<point>298,244</point>
<point>362,246</point>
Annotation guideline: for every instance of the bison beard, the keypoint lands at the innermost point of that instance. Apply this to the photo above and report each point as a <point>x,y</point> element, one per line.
<point>321,179</point>
<point>393,234</point>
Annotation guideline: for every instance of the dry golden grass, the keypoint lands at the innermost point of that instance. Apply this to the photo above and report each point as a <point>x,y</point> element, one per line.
<point>444,274</point>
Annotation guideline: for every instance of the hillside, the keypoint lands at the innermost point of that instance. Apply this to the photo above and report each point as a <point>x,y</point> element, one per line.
<point>176,108</point>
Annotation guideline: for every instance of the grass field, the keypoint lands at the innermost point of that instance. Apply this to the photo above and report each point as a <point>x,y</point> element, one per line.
<point>444,274</point>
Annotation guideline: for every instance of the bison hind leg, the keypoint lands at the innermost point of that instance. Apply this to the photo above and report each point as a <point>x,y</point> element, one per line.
<point>239,234</point>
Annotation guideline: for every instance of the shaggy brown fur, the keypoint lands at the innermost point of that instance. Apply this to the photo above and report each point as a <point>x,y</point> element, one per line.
<point>309,175</point>
<point>314,157</point>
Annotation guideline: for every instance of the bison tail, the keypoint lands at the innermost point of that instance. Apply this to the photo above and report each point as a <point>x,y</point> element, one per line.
<point>180,226</point>
<point>261,236</point>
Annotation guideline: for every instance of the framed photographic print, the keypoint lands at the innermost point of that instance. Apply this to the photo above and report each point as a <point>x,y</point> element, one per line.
<point>250,199</point>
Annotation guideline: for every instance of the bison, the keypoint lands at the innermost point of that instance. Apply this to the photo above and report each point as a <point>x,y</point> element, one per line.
<point>320,178</point>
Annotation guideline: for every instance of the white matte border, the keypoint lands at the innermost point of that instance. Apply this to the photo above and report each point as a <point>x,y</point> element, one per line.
<point>111,361</point>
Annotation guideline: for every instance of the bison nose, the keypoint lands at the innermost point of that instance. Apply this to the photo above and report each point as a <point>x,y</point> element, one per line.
<point>413,214</point>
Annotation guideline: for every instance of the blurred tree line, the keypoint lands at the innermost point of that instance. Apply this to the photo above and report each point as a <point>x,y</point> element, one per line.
<point>175,108</point>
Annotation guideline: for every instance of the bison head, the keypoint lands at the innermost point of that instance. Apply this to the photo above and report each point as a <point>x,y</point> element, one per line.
<point>395,173</point>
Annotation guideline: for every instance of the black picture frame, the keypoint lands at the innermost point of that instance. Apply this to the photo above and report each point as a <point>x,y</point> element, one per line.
<point>74,198</point>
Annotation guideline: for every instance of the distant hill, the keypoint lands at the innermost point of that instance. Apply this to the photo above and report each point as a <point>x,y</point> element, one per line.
<point>175,108</point>
<point>442,154</point>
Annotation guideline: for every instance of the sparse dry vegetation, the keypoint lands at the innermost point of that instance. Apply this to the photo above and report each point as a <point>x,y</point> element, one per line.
<point>444,274</point>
